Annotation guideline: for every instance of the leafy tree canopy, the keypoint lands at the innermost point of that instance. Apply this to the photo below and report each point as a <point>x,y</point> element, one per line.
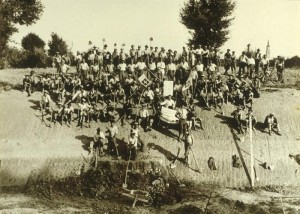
<point>13,12</point>
<point>57,44</point>
<point>32,41</point>
<point>208,21</point>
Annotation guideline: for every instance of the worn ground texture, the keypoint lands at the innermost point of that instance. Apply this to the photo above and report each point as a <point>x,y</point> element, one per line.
<point>27,146</point>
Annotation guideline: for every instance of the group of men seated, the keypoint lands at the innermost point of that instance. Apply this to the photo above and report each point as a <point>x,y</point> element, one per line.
<point>106,87</point>
<point>242,122</point>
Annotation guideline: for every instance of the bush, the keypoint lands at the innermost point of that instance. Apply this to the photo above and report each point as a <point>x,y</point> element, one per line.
<point>292,62</point>
<point>13,58</point>
<point>37,58</point>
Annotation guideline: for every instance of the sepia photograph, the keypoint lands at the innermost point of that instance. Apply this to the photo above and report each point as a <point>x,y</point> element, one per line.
<point>150,106</point>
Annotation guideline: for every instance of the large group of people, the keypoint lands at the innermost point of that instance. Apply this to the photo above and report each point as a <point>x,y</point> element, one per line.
<point>111,80</point>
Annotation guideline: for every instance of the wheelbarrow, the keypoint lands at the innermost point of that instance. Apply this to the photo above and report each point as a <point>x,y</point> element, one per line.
<point>137,195</point>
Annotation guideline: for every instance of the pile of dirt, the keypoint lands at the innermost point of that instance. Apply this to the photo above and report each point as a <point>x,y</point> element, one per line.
<point>105,182</point>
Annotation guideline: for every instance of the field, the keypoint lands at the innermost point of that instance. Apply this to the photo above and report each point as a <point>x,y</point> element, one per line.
<point>27,145</point>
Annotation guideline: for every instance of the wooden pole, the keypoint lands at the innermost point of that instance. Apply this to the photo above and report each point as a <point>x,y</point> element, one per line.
<point>251,151</point>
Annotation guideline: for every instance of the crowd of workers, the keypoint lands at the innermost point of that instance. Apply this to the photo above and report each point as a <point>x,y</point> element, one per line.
<point>112,80</point>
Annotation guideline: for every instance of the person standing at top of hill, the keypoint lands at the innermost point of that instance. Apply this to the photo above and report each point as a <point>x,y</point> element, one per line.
<point>205,58</point>
<point>57,61</point>
<point>78,59</point>
<point>251,65</point>
<point>243,64</point>
<point>227,61</point>
<point>184,53</point>
<point>64,67</point>
<point>279,65</point>
<point>84,68</point>
<point>257,58</point>
<point>233,62</point>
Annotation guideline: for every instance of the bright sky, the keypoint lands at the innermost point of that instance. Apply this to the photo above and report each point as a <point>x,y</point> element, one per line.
<point>135,21</point>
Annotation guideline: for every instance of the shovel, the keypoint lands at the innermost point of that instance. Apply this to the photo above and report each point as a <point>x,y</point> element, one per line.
<point>180,184</point>
<point>173,165</point>
<point>124,185</point>
<point>117,151</point>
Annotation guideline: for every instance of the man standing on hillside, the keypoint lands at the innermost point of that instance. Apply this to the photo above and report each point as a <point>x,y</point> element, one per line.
<point>257,58</point>
<point>243,64</point>
<point>112,133</point>
<point>27,85</point>
<point>227,61</point>
<point>279,65</point>
<point>98,143</point>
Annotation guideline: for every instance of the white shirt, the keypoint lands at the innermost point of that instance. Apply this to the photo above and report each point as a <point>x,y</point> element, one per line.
<point>161,65</point>
<point>251,61</point>
<point>140,65</point>
<point>64,68</point>
<point>171,67</point>
<point>168,103</point>
<point>149,94</point>
<point>133,141</point>
<point>122,66</point>
<point>200,67</point>
<point>185,65</point>
<point>84,66</point>
<point>152,66</point>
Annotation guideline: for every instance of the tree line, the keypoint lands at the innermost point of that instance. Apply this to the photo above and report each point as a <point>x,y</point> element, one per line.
<point>33,52</point>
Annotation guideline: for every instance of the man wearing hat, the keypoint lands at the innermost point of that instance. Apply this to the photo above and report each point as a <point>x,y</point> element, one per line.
<point>58,113</point>
<point>238,117</point>
<point>83,112</point>
<point>155,54</point>
<point>111,134</point>
<point>67,113</point>
<point>132,53</point>
<point>171,68</point>
<point>45,101</point>
<point>279,65</point>
<point>168,102</point>
<point>161,68</point>
<point>45,105</point>
<point>78,59</point>
<point>122,69</point>
<point>27,85</point>
<point>250,116</point>
<point>84,69</point>
<point>57,61</point>
<point>271,123</point>
<point>243,60</point>
<point>227,61</point>
<point>188,143</point>
<point>132,146</point>
<point>146,55</point>
<point>98,143</point>
<point>144,118</point>
<point>257,58</point>
<point>181,114</point>
<point>233,62</point>
<point>107,57</point>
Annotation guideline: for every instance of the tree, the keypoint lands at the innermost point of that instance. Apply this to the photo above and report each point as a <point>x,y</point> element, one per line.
<point>57,44</point>
<point>208,21</point>
<point>13,12</point>
<point>32,41</point>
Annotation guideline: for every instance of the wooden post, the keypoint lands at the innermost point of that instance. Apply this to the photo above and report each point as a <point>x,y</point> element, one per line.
<point>251,151</point>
